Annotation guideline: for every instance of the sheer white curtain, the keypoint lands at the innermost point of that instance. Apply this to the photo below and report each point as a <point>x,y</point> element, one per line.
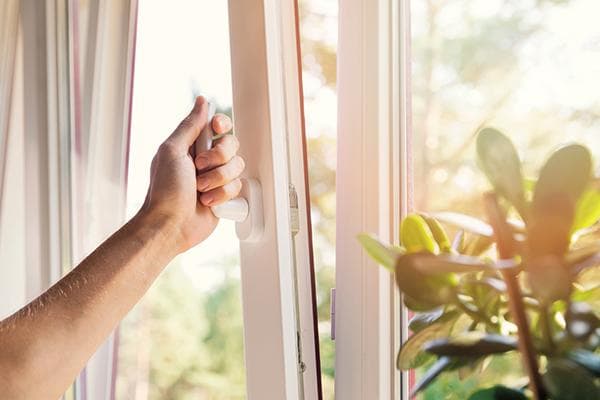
<point>12,278</point>
<point>65,86</point>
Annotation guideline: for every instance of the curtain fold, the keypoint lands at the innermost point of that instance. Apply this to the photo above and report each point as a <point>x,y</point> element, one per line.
<point>9,17</point>
<point>104,47</point>
<point>73,106</point>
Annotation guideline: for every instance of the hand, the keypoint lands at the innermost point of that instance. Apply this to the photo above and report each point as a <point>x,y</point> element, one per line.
<point>182,196</point>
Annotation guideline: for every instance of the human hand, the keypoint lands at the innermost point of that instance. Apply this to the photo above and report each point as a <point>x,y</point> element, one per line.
<point>180,195</point>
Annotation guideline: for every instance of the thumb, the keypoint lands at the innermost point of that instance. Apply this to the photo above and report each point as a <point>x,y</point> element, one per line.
<point>189,129</point>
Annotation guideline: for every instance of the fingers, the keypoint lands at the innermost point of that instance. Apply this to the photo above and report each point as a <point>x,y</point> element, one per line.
<point>222,193</point>
<point>221,153</point>
<point>220,176</point>
<point>221,123</point>
<point>189,129</point>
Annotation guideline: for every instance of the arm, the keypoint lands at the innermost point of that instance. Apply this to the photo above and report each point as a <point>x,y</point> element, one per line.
<point>45,344</point>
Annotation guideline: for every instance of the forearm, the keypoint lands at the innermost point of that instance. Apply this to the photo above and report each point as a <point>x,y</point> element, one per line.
<point>45,344</point>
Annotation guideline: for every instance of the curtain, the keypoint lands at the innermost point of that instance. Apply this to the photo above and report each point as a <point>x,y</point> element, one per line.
<point>63,173</point>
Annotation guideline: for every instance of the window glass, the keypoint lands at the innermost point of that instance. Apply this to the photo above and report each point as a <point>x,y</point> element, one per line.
<point>184,340</point>
<point>529,68</point>
<point>318,29</point>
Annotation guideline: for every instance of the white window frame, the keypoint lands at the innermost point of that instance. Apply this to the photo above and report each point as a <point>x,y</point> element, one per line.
<point>277,290</point>
<point>372,194</point>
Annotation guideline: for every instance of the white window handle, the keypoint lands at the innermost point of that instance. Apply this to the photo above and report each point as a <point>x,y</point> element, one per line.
<point>246,210</point>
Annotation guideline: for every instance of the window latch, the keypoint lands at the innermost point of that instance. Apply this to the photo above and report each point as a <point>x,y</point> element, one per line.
<point>246,210</point>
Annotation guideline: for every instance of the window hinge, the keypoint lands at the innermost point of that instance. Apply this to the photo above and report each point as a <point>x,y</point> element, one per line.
<point>332,313</point>
<point>294,210</point>
<point>301,363</point>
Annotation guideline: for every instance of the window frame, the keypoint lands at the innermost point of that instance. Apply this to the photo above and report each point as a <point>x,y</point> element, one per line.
<point>278,288</point>
<point>373,162</point>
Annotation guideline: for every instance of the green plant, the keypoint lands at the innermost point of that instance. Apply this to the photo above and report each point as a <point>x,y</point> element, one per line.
<point>526,280</point>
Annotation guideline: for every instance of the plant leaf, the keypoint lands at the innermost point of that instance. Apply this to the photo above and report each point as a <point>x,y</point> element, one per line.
<point>549,278</point>
<point>471,344</point>
<point>582,253</point>
<point>439,234</point>
<point>382,254</point>
<point>465,222</point>
<point>587,210</point>
<point>498,392</point>
<point>458,263</point>
<point>587,359</point>
<point>436,369</point>
<point>416,235</point>
<point>562,181</point>
<point>500,162</point>
<point>428,290</point>
<point>411,353</point>
<point>591,296</point>
<point>568,171</point>
<point>422,320</point>
<point>566,380</point>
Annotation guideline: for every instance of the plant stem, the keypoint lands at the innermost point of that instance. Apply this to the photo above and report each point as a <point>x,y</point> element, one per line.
<point>546,329</point>
<point>506,249</point>
<point>476,316</point>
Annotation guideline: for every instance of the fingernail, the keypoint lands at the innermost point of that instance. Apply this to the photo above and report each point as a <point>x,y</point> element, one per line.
<point>224,123</point>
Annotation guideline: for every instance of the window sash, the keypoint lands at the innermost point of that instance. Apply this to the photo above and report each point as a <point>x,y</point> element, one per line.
<point>277,288</point>
<point>372,194</point>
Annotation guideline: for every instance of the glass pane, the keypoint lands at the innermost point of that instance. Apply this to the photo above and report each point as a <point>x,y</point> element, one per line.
<point>184,340</point>
<point>319,49</point>
<point>529,68</point>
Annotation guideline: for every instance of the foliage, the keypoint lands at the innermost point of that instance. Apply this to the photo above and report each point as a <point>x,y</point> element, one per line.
<point>467,303</point>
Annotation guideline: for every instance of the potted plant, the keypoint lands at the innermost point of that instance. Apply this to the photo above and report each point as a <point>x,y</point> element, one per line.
<point>522,281</point>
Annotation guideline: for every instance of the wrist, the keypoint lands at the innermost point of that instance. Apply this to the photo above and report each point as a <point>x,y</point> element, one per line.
<point>163,227</point>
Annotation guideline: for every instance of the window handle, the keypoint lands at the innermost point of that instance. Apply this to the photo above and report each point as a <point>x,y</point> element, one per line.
<point>246,210</point>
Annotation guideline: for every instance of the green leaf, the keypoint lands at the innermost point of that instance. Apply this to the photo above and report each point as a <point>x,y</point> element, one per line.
<point>443,263</point>
<point>587,210</point>
<point>587,359</point>
<point>471,344</point>
<point>466,223</point>
<point>411,353</point>
<point>418,305</point>
<point>582,253</point>
<point>591,296</point>
<point>495,284</point>
<point>441,365</point>
<point>562,181</point>
<point>476,245</point>
<point>439,234</point>
<point>382,254</point>
<point>422,320</point>
<point>427,290</point>
<point>549,278</point>
<point>568,171</point>
<point>498,392</point>
<point>566,380</point>
<point>500,162</point>
<point>416,235</point>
